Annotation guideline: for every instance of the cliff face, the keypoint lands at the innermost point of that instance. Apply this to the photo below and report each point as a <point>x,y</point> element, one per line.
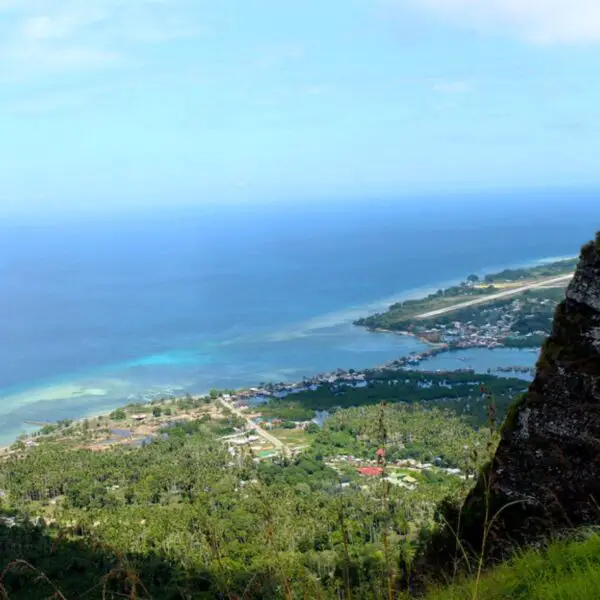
<point>545,475</point>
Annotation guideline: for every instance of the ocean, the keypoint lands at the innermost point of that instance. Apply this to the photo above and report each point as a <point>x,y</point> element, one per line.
<point>97,311</point>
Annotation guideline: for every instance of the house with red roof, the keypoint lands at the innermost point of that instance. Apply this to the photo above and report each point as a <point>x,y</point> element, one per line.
<point>370,471</point>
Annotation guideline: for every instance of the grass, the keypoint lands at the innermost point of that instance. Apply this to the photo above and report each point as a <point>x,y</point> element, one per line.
<point>400,473</point>
<point>567,570</point>
<point>292,436</point>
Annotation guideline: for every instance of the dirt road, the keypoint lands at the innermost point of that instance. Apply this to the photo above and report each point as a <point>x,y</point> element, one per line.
<point>256,428</point>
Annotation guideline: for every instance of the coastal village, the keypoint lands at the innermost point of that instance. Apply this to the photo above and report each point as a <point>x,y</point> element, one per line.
<point>258,438</point>
<point>490,327</point>
<point>264,439</point>
<point>250,435</point>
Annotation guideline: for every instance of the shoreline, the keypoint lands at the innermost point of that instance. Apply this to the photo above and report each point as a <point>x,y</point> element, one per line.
<point>419,318</point>
<point>411,334</point>
<point>273,391</point>
<point>339,376</point>
<point>424,290</point>
<point>407,294</point>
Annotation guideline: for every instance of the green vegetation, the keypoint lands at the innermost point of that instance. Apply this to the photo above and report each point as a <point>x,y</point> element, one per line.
<point>532,311</point>
<point>402,316</point>
<point>531,341</point>
<point>293,436</point>
<point>191,520</point>
<point>414,431</point>
<point>566,570</point>
<point>555,269</point>
<point>184,518</point>
<point>187,516</point>
<point>522,322</point>
<point>460,392</point>
<point>118,415</point>
<point>203,511</point>
<point>174,521</point>
<point>401,313</point>
<point>312,429</point>
<point>288,409</point>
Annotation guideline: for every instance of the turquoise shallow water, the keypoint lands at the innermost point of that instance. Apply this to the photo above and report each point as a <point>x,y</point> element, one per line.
<point>230,365</point>
<point>94,314</point>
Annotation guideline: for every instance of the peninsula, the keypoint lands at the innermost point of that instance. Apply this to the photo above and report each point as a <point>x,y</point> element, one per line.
<point>513,308</point>
<point>255,491</point>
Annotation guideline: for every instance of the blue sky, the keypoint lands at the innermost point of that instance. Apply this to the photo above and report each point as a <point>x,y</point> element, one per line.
<point>118,103</point>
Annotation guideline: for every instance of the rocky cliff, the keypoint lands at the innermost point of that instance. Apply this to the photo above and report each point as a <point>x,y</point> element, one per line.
<point>545,475</point>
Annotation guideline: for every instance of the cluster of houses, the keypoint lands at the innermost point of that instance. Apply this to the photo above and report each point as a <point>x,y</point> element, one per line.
<point>491,334</point>
<point>245,398</point>
<point>399,479</point>
<point>242,440</point>
<point>237,441</point>
<point>373,468</point>
<point>516,369</point>
<point>271,423</point>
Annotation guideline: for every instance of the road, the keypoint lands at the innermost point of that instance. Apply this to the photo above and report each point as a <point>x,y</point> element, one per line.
<point>498,296</point>
<point>259,430</point>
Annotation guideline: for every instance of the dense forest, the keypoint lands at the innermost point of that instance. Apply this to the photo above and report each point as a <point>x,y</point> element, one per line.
<point>458,391</point>
<point>184,517</point>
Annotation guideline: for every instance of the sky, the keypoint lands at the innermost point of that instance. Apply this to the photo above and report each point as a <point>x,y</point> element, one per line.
<point>106,104</point>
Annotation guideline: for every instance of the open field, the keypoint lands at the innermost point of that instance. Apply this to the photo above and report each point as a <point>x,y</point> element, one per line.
<point>292,437</point>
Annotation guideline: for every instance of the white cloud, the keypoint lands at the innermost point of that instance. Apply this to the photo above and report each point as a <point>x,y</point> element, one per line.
<point>536,21</point>
<point>37,36</point>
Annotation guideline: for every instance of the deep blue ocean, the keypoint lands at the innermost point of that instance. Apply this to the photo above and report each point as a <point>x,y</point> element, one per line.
<point>98,311</point>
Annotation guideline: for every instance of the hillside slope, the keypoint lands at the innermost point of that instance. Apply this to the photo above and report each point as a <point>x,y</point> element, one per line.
<point>566,570</point>
<point>545,475</point>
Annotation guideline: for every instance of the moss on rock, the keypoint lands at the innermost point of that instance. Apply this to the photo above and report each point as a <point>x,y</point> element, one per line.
<point>545,474</point>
